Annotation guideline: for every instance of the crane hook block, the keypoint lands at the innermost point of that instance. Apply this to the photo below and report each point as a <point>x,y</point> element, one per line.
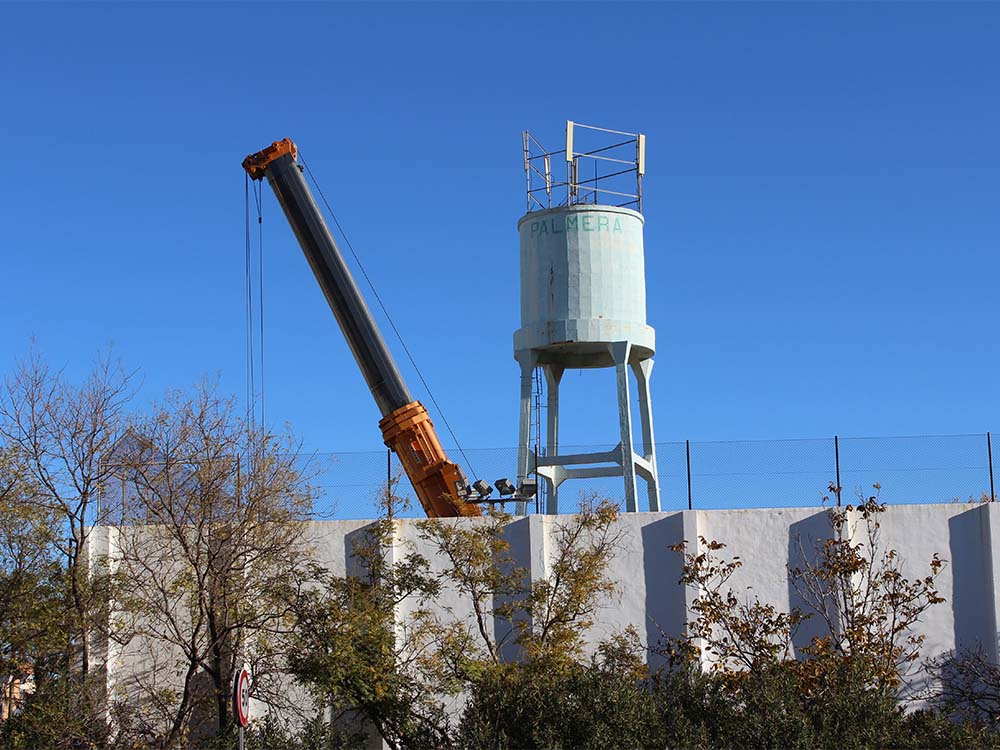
<point>440,484</point>
<point>256,164</point>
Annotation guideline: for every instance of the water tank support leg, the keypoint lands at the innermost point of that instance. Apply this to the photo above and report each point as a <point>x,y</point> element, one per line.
<point>553,375</point>
<point>551,493</point>
<point>528,361</point>
<point>620,351</point>
<point>642,371</point>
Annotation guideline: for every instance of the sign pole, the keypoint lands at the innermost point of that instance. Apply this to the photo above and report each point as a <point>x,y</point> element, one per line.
<point>241,700</point>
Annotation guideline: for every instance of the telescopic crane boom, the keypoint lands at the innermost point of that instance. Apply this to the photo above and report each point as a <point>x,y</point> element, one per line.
<point>406,427</point>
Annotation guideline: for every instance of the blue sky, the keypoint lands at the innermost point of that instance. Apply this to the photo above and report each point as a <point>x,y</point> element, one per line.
<point>822,202</point>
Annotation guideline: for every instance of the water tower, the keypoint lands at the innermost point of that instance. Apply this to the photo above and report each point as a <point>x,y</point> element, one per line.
<point>583,301</point>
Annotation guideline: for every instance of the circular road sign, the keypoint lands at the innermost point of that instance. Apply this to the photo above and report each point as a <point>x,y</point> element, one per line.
<point>241,697</point>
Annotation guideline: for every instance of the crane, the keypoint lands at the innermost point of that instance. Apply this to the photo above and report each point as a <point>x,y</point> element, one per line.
<point>407,430</point>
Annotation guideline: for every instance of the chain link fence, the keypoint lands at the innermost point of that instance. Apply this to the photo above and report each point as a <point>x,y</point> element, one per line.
<point>709,475</point>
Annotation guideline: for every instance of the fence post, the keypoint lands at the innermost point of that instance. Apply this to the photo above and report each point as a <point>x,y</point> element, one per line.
<point>989,456</point>
<point>836,458</point>
<point>687,450</point>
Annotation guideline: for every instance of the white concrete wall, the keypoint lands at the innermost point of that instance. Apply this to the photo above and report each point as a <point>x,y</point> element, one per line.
<point>646,571</point>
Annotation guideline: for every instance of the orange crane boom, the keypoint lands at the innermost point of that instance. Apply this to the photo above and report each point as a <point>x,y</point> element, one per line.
<point>407,430</point>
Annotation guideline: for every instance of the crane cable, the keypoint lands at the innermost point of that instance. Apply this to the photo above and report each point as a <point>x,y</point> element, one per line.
<point>248,302</point>
<point>388,317</point>
<point>258,191</point>
<point>252,362</point>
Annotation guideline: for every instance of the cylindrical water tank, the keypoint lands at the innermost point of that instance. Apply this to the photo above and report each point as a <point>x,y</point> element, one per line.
<point>583,285</point>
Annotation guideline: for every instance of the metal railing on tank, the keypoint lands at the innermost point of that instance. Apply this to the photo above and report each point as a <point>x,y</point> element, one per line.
<point>609,171</point>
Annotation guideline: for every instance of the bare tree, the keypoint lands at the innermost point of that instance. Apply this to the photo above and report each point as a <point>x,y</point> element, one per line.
<point>212,552</point>
<point>61,434</point>
<point>856,587</point>
<point>852,583</point>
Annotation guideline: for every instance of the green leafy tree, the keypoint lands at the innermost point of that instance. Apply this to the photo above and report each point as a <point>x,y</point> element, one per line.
<point>599,702</point>
<point>357,652</point>
<point>354,653</point>
<point>521,658</point>
<point>30,575</point>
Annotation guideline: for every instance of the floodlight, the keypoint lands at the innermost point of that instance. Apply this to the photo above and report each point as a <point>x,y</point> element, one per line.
<point>505,487</point>
<point>527,489</point>
<point>483,488</point>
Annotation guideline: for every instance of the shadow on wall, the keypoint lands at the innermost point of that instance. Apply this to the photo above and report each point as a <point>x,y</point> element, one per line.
<point>353,720</point>
<point>666,612</point>
<point>354,566</point>
<point>517,533</point>
<point>969,546</point>
<point>805,537</point>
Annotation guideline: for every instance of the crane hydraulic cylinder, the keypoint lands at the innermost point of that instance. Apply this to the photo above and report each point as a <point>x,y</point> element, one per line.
<point>406,427</point>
